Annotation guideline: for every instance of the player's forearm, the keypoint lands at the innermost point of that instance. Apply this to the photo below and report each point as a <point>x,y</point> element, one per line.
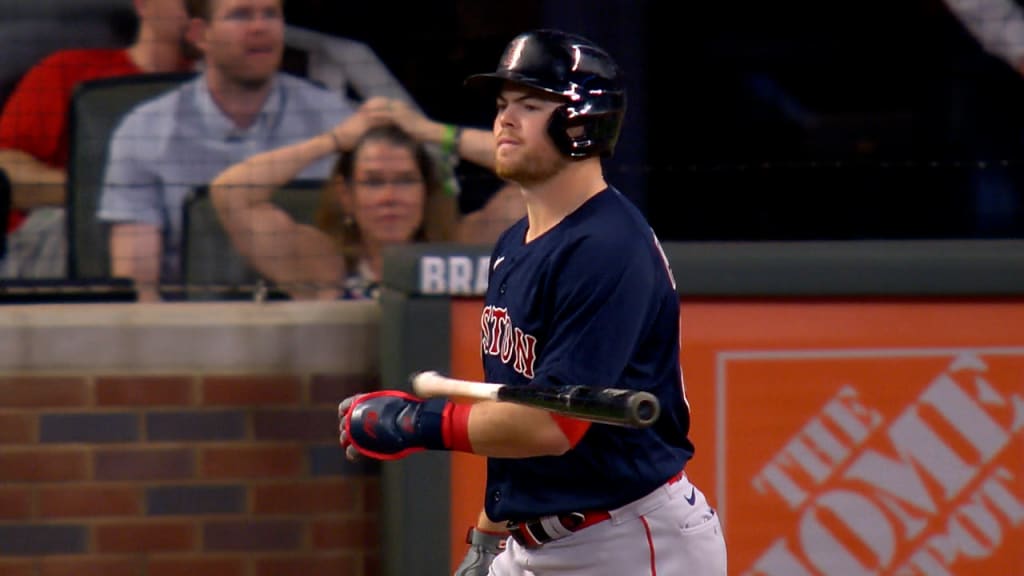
<point>33,183</point>
<point>389,423</point>
<point>505,430</point>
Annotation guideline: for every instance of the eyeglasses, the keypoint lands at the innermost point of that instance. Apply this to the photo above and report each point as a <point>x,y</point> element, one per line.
<point>379,183</point>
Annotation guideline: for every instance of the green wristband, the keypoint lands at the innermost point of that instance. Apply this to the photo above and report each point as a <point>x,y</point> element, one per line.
<point>450,139</point>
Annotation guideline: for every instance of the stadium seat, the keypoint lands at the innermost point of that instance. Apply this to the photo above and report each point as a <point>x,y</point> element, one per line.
<point>213,269</point>
<point>96,108</point>
<point>30,30</point>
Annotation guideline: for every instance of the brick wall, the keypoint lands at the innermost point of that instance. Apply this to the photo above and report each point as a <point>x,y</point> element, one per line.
<point>185,472</point>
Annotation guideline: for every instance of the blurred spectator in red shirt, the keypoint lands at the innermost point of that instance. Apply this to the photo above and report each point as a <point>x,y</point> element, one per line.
<point>34,130</point>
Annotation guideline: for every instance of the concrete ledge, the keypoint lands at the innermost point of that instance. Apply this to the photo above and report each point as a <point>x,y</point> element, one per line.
<point>337,337</point>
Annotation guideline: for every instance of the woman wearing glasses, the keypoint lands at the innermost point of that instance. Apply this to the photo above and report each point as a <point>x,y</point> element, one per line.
<point>384,190</point>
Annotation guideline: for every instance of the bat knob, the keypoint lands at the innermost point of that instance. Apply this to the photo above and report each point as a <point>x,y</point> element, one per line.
<point>415,375</point>
<point>416,379</point>
<point>645,409</point>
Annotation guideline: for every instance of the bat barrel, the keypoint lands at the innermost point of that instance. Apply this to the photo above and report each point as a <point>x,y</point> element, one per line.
<point>620,407</point>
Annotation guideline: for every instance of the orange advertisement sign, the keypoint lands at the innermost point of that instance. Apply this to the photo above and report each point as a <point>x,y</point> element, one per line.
<point>862,438</point>
<point>845,438</point>
<point>873,461</point>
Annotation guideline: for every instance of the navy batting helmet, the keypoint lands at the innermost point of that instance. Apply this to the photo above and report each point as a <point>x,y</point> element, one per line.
<point>574,68</point>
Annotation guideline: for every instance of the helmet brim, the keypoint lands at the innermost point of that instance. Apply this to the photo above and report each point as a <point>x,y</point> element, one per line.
<point>491,83</point>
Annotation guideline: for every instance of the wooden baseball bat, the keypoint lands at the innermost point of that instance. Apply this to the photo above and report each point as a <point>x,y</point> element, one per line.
<point>629,408</point>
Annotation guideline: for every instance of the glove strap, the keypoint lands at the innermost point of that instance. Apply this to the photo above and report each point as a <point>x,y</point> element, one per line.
<point>444,425</point>
<point>433,426</point>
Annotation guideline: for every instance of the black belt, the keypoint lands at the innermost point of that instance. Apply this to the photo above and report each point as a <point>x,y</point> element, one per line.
<point>539,531</point>
<point>536,533</point>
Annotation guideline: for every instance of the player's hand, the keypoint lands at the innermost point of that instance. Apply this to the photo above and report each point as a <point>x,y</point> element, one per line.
<point>343,409</point>
<point>484,547</point>
<point>390,424</point>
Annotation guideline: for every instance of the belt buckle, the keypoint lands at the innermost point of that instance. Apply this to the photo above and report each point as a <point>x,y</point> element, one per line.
<point>522,534</point>
<point>573,520</point>
<point>532,534</point>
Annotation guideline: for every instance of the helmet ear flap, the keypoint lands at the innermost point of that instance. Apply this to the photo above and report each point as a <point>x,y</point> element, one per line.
<point>579,133</point>
<point>558,129</point>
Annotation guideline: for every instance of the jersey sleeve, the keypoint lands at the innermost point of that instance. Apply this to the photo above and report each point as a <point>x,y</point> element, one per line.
<point>35,116</point>
<point>606,295</point>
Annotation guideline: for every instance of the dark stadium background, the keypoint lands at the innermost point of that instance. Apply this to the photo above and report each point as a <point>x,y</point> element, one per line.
<point>748,120</point>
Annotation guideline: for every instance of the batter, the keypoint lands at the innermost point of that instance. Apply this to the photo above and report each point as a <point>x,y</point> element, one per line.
<point>579,293</point>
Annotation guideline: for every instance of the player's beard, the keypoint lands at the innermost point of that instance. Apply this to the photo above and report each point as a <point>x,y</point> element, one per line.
<point>530,167</point>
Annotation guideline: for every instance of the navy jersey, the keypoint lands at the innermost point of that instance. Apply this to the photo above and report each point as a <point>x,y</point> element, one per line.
<point>591,302</point>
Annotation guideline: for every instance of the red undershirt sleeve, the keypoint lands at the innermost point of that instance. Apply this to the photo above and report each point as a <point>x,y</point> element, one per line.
<point>573,428</point>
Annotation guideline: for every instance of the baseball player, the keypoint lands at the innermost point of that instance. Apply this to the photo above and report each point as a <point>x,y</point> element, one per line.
<point>580,293</point>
